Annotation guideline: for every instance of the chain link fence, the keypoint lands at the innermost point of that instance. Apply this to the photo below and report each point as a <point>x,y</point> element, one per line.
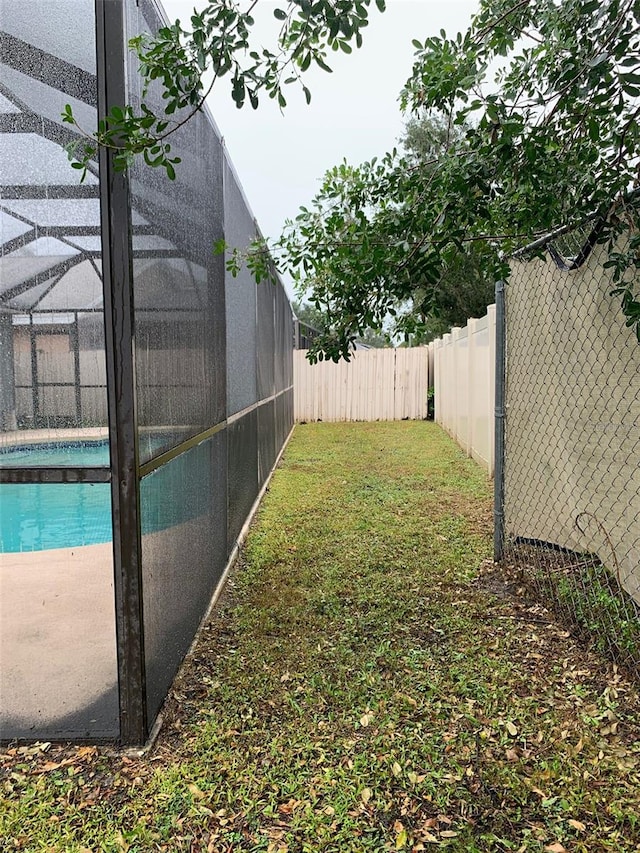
<point>572,444</point>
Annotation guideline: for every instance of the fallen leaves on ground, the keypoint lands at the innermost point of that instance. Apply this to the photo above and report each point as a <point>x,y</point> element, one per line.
<point>369,682</point>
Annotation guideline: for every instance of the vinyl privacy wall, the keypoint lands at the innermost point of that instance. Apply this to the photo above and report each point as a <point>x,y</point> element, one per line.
<point>375,385</point>
<point>464,383</point>
<point>145,394</point>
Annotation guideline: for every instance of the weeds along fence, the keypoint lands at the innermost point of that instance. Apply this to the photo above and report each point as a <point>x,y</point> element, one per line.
<point>569,499</point>
<point>376,385</point>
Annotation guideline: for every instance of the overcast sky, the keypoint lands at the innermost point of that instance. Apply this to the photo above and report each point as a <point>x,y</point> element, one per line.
<point>354,112</point>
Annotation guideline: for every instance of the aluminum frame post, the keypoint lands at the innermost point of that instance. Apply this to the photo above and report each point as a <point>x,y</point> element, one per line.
<point>117,273</point>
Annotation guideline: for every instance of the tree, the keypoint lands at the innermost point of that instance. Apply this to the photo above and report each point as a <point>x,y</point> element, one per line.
<point>311,316</point>
<point>549,140</point>
<point>219,43</point>
<point>418,308</point>
<point>463,290</point>
<point>352,252</point>
<point>321,322</point>
<point>553,142</point>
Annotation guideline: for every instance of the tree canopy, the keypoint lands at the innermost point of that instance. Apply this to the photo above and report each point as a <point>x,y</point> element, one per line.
<point>534,128</point>
<point>321,323</point>
<point>313,317</point>
<point>184,63</point>
<point>536,107</point>
<point>352,250</point>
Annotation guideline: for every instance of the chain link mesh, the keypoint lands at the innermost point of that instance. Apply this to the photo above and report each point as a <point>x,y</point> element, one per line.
<point>572,458</point>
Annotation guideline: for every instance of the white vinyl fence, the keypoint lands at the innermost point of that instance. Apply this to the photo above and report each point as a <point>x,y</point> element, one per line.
<point>376,385</point>
<point>464,386</point>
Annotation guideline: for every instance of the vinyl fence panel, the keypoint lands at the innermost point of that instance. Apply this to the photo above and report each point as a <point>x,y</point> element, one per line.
<point>464,380</point>
<point>376,385</point>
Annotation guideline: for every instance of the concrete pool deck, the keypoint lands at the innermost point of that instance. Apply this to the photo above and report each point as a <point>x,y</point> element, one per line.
<point>58,660</point>
<point>58,645</point>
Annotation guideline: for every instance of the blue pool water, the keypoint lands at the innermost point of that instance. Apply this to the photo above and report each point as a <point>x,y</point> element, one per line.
<point>36,517</point>
<point>90,454</point>
<point>39,516</point>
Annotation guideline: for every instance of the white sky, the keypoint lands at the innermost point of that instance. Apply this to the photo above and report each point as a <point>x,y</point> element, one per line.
<point>354,113</point>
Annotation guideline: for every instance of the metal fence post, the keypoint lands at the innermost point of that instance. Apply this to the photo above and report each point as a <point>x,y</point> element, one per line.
<point>498,481</point>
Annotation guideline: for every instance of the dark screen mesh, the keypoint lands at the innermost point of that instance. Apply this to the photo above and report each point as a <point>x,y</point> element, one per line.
<point>178,281</point>
<point>266,340</point>
<point>243,471</point>
<point>181,383</point>
<point>207,346</point>
<point>284,417</point>
<point>58,665</point>
<point>267,439</point>
<point>240,302</point>
<point>283,341</point>
<point>183,506</point>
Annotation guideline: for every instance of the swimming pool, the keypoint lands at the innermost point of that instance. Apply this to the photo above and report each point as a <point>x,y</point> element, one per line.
<point>40,516</point>
<point>89,454</point>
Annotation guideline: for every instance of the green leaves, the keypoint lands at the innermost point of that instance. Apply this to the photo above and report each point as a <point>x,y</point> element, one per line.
<point>322,64</point>
<point>410,241</point>
<point>555,133</point>
<point>67,114</point>
<point>548,138</point>
<point>143,134</point>
<point>172,64</point>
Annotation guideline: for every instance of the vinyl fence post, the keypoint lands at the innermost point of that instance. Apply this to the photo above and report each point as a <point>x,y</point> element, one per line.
<point>498,480</point>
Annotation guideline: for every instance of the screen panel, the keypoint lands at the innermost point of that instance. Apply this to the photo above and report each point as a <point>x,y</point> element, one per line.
<point>267,439</point>
<point>48,280</point>
<point>284,416</point>
<point>241,297</point>
<point>178,280</point>
<point>266,340</point>
<point>243,472</point>
<point>183,509</point>
<point>58,667</point>
<point>283,377</point>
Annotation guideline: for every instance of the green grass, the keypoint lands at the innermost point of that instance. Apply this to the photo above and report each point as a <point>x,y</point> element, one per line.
<point>368,683</point>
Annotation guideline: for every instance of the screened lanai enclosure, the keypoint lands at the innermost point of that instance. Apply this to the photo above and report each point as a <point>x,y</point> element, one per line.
<point>144,393</point>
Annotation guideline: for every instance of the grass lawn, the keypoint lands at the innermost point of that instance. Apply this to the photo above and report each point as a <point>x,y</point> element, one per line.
<point>369,682</point>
